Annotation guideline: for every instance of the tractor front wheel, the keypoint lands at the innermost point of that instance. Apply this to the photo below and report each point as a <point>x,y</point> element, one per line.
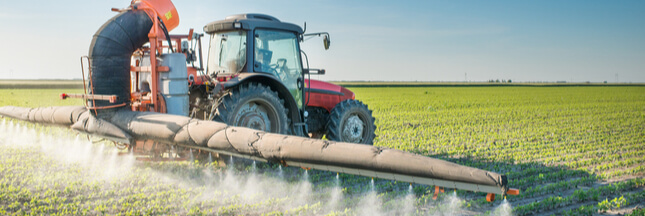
<point>254,106</point>
<point>351,121</point>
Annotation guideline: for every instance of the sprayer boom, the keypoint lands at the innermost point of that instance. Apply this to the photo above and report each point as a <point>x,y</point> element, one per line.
<point>365,160</point>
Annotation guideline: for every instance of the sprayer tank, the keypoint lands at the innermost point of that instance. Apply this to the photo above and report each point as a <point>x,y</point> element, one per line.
<point>173,84</point>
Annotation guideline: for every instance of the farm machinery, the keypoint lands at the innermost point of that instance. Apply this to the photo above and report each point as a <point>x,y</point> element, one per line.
<point>149,92</point>
<point>255,79</point>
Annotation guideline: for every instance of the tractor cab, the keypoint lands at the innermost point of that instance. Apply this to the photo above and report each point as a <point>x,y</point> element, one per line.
<point>260,44</point>
<point>259,82</point>
<point>257,48</point>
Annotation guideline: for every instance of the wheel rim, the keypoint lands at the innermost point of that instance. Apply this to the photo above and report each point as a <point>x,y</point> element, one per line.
<point>353,129</point>
<point>258,115</point>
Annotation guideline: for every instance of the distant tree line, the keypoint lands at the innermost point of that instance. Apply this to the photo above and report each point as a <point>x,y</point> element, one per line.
<point>498,81</point>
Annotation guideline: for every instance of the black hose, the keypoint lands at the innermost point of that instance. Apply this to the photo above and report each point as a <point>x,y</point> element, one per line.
<point>110,52</point>
<point>165,32</point>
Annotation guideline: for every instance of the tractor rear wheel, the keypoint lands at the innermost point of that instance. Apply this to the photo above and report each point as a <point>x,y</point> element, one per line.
<point>255,106</point>
<point>351,121</point>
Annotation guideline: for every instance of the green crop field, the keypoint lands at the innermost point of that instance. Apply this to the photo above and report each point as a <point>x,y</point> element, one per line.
<point>571,150</point>
<point>566,148</point>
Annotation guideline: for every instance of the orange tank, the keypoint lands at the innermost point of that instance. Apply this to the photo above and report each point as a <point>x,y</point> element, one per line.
<point>165,9</point>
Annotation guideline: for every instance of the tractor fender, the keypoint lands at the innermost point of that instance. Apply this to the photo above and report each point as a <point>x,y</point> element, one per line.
<point>275,85</point>
<point>325,95</point>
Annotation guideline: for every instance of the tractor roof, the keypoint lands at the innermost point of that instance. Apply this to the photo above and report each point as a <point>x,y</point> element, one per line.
<point>248,22</point>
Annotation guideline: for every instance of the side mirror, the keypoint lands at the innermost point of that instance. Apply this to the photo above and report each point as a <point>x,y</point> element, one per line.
<point>314,71</point>
<point>326,41</point>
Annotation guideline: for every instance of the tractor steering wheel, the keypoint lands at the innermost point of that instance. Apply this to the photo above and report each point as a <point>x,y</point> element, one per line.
<point>284,74</point>
<point>272,68</point>
<point>281,65</point>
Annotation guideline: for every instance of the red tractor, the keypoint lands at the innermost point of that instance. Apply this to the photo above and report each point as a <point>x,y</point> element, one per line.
<point>255,77</point>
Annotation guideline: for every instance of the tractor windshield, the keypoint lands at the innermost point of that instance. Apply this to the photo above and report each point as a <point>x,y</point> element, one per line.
<point>227,52</point>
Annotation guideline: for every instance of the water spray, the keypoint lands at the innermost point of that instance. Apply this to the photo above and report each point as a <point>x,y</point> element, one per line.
<point>170,154</point>
<point>280,173</point>
<point>192,158</point>
<point>504,209</point>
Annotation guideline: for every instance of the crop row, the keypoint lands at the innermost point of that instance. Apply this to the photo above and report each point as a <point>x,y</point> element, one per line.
<point>614,204</point>
<point>593,194</point>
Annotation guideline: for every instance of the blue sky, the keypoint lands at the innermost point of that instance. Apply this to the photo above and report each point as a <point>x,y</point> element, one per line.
<point>375,40</point>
